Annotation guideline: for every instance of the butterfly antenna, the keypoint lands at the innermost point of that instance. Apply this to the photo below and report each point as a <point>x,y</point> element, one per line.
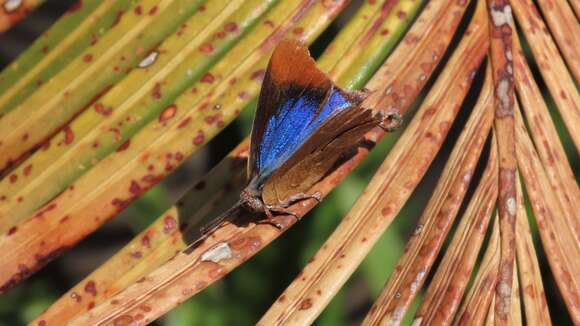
<point>218,221</point>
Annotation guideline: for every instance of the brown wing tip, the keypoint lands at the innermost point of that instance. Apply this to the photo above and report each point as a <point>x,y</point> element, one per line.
<point>291,63</point>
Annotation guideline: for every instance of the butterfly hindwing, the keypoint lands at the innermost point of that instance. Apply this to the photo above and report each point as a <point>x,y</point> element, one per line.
<point>317,155</point>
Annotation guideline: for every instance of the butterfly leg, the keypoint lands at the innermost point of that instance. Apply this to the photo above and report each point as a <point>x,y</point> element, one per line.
<point>391,121</point>
<point>299,197</point>
<point>282,208</point>
<point>217,222</point>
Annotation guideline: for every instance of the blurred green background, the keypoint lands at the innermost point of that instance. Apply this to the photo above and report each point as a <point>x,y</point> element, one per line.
<point>244,295</point>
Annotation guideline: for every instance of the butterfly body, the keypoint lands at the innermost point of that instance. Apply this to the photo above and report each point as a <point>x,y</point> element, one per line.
<point>303,124</point>
<point>299,130</point>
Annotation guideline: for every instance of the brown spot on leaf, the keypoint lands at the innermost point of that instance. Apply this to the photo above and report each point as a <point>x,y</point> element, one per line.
<point>207,78</point>
<point>231,27</point>
<point>135,189</point>
<point>269,23</point>
<point>150,178</point>
<point>44,258</point>
<point>146,241</point>
<point>46,145</point>
<point>101,109</point>
<point>75,7</point>
<point>184,122</point>
<point>203,106</point>
<point>145,308</point>
<point>124,320</point>
<point>181,29</point>
<point>386,211</point>
<point>12,230</point>
<point>167,113</point>
<point>426,67</point>
<point>199,138</point>
<point>118,202</point>
<point>206,48</point>
<point>305,304</point>
<point>156,92</point>
<point>298,30</point>
<point>258,75</point>
<point>69,135</point>
<point>116,133</point>
<point>169,224</point>
<point>211,119</point>
<point>243,95</point>
<point>91,288</point>
<point>48,208</point>
<point>124,146</point>
<point>94,39</point>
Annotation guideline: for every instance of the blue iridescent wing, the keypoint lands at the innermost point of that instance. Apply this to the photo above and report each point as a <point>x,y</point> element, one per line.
<point>317,156</point>
<point>299,118</point>
<point>296,99</point>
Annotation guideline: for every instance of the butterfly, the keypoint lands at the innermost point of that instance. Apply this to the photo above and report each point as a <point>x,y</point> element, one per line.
<point>303,124</point>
